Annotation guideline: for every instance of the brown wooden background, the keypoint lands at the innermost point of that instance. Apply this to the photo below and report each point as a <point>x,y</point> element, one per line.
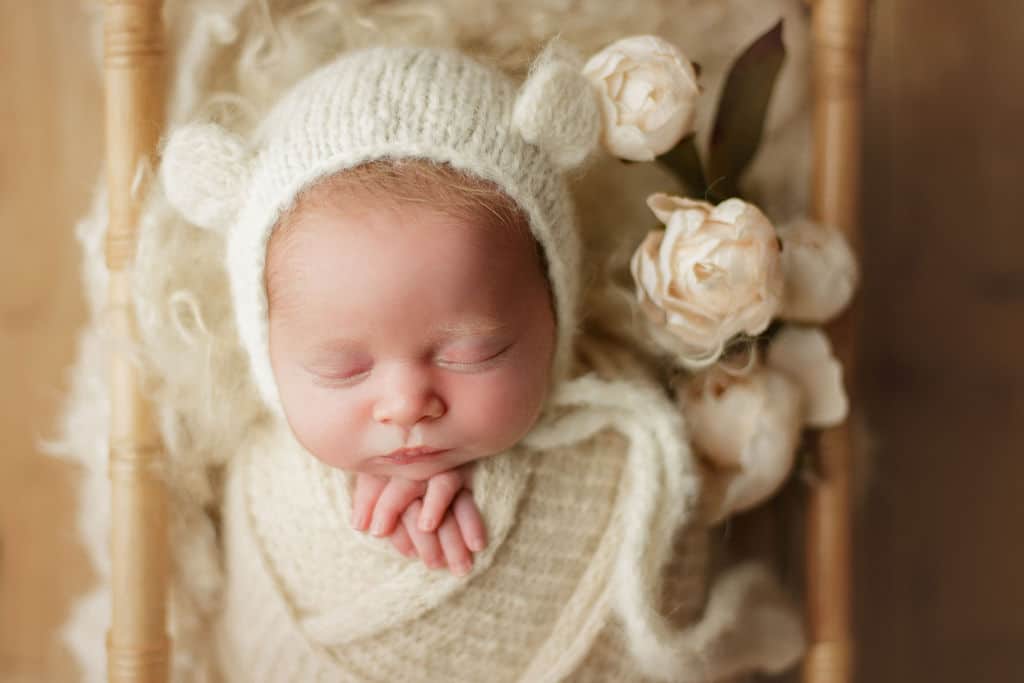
<point>940,553</point>
<point>50,143</point>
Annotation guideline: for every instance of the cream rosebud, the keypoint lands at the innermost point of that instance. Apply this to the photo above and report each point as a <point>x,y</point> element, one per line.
<point>805,355</point>
<point>648,91</point>
<point>748,428</point>
<point>713,273</point>
<point>820,271</point>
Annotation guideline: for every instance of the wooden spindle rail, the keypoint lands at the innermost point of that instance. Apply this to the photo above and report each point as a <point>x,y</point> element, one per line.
<point>138,648</point>
<point>839,30</point>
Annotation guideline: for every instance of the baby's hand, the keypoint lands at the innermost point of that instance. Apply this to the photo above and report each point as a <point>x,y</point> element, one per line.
<point>442,528</point>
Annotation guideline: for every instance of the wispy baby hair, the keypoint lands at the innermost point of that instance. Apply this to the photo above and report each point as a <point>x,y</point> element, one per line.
<point>390,183</point>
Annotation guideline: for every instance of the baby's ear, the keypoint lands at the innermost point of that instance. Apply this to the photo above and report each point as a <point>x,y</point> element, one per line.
<point>557,108</point>
<point>204,171</point>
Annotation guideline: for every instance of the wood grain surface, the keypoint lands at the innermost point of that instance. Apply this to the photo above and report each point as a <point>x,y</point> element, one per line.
<point>50,139</point>
<point>49,159</point>
<point>940,596</point>
<point>939,553</point>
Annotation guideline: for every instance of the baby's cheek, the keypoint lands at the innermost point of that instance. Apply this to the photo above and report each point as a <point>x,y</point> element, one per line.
<point>502,410</point>
<point>323,425</point>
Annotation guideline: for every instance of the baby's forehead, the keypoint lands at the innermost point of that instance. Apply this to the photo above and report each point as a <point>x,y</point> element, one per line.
<point>384,253</point>
<point>382,233</point>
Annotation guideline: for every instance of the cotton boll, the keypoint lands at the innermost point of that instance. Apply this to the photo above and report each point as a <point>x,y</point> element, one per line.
<point>768,458</point>
<point>805,355</point>
<point>820,271</point>
<point>722,413</point>
<point>747,425</point>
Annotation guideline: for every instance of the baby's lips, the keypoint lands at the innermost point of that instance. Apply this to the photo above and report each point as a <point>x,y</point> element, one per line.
<point>407,456</point>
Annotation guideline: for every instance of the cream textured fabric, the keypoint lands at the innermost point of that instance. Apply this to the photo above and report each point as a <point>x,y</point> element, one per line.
<point>582,521</point>
<point>391,103</point>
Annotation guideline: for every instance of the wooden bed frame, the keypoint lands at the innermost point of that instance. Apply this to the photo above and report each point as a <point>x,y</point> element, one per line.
<point>138,648</point>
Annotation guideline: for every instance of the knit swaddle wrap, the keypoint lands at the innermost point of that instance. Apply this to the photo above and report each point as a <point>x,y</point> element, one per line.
<point>581,521</point>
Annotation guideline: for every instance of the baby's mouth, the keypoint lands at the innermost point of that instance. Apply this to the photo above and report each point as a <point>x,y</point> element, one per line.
<point>406,456</point>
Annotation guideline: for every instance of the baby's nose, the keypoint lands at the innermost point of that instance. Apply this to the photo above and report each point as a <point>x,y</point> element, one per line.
<point>409,405</point>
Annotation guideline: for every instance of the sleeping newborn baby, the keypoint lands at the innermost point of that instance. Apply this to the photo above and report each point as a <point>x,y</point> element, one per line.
<point>405,276</point>
<point>411,333</point>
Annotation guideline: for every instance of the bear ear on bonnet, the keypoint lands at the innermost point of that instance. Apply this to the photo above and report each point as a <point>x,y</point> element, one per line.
<point>204,171</point>
<point>557,108</point>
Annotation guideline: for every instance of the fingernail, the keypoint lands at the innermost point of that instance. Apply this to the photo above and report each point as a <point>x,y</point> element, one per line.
<point>475,543</point>
<point>358,521</point>
<point>434,563</point>
<point>427,524</point>
<point>461,569</point>
<point>378,527</point>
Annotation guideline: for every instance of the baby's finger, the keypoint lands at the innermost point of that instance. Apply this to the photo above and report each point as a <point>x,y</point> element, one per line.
<point>471,524</point>
<point>368,488</point>
<point>403,544</point>
<point>426,544</point>
<point>441,490</point>
<point>393,502</point>
<point>456,554</point>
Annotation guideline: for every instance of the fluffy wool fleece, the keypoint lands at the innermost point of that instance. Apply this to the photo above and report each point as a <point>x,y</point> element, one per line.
<point>230,59</point>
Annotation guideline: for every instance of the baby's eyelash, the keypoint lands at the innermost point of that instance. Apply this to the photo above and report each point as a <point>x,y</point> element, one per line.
<point>334,381</point>
<point>477,364</point>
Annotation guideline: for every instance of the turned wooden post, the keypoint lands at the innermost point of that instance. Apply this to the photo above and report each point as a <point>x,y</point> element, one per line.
<point>839,30</point>
<point>138,648</point>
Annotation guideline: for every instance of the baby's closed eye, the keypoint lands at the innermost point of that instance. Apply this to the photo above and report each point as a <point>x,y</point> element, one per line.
<point>339,378</point>
<point>474,355</point>
<point>341,370</point>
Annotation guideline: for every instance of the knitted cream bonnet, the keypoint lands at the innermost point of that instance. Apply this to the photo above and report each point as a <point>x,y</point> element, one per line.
<point>391,103</point>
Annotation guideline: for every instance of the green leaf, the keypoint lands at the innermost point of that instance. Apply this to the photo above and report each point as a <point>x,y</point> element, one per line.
<point>684,161</point>
<point>739,121</point>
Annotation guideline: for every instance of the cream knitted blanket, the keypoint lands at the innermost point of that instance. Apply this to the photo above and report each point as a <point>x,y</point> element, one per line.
<point>582,520</point>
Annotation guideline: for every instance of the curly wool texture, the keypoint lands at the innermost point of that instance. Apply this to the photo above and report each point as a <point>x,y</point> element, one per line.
<point>230,60</point>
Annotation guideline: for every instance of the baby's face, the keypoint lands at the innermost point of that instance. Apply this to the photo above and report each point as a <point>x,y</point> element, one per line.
<point>406,342</point>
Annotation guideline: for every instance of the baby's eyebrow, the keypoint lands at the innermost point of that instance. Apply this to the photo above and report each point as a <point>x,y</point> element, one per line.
<point>475,327</point>
<point>470,328</point>
<point>335,345</point>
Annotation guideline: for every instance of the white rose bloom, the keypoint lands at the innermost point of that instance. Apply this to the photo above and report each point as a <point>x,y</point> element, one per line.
<point>648,92</point>
<point>820,271</point>
<point>713,273</point>
<point>805,355</point>
<point>747,427</point>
